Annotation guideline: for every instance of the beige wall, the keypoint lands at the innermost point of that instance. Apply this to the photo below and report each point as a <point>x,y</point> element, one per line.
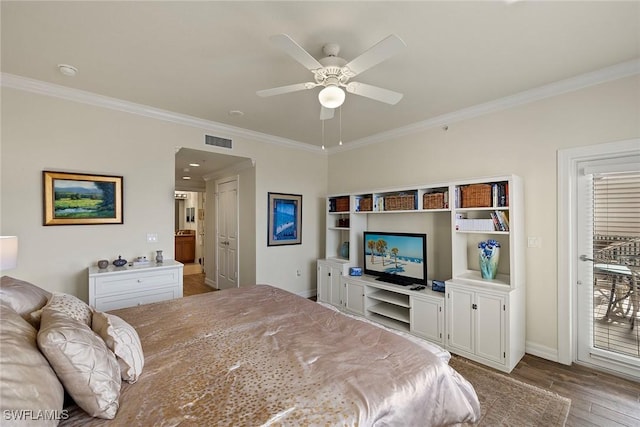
<point>522,141</point>
<point>41,132</point>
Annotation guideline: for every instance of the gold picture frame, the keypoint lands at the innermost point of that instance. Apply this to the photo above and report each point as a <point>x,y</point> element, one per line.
<point>81,199</point>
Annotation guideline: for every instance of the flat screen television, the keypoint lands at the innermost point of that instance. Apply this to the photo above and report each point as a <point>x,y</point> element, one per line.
<point>398,258</point>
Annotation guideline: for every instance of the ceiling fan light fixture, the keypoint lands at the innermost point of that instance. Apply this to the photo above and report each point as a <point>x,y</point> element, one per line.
<point>331,96</point>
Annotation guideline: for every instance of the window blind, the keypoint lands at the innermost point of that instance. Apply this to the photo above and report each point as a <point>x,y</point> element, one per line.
<point>616,217</point>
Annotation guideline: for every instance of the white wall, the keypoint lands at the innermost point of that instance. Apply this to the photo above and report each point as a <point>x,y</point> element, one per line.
<point>523,141</point>
<point>41,133</point>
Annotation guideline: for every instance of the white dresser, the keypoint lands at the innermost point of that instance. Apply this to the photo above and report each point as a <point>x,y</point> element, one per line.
<point>119,287</point>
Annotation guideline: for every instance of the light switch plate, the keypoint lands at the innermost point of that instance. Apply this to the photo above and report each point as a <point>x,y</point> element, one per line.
<point>152,237</point>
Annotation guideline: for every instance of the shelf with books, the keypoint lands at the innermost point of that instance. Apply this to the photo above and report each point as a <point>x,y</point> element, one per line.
<point>482,220</point>
<point>475,220</point>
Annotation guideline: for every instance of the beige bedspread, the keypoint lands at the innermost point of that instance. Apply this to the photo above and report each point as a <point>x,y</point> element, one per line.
<point>259,355</point>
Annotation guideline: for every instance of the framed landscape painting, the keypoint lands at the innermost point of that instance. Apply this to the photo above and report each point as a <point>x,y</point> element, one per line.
<point>285,219</point>
<point>81,199</point>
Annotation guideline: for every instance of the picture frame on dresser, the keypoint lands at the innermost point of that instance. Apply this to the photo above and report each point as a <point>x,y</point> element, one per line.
<point>284,219</point>
<point>81,199</point>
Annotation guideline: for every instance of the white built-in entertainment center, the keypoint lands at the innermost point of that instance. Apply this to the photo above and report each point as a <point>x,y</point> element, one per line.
<point>480,319</point>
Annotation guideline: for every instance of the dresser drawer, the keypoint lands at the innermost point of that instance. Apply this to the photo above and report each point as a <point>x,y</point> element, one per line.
<point>131,282</point>
<point>132,299</point>
<point>114,288</point>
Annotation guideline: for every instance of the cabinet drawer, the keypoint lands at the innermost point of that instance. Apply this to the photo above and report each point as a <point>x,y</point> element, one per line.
<point>131,299</point>
<point>138,281</point>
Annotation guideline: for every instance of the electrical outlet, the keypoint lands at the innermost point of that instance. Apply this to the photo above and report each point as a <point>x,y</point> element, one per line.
<point>152,237</point>
<point>298,273</point>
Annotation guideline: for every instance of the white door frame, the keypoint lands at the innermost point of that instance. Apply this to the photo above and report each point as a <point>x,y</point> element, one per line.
<point>567,262</point>
<point>218,182</point>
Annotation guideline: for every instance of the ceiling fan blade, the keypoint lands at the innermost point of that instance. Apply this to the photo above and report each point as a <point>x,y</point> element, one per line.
<point>286,89</point>
<point>374,92</point>
<point>326,113</point>
<point>288,45</point>
<point>384,49</point>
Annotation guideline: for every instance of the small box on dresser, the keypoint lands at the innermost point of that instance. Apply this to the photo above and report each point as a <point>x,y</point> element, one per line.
<point>120,287</point>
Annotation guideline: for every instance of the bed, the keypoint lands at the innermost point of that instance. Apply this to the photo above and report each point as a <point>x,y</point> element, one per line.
<point>259,355</point>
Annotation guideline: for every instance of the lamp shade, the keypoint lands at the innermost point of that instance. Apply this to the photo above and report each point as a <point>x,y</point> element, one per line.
<point>8,252</point>
<point>331,96</point>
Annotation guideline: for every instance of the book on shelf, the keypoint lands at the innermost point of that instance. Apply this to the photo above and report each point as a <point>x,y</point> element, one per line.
<point>500,220</point>
<point>504,220</point>
<point>499,194</point>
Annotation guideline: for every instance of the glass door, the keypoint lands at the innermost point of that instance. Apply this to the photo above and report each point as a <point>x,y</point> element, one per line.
<point>608,270</point>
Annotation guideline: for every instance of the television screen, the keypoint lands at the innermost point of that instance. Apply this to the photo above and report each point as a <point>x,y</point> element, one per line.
<point>398,258</point>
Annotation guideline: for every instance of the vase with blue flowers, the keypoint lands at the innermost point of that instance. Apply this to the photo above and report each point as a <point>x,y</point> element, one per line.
<point>489,257</point>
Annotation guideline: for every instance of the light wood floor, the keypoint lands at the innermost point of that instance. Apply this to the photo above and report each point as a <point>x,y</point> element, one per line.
<point>597,399</point>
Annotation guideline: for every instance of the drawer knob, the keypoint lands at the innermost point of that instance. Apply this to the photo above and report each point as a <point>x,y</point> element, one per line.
<point>139,281</point>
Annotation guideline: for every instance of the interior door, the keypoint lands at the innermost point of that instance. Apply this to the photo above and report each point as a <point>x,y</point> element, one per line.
<point>608,243</point>
<point>227,234</point>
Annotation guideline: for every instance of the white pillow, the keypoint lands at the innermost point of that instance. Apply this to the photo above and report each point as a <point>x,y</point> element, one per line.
<point>87,369</point>
<point>123,340</point>
<point>71,306</point>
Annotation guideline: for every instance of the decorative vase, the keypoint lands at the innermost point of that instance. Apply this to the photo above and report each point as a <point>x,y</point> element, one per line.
<point>120,262</point>
<point>158,257</point>
<point>103,263</point>
<point>344,250</point>
<point>489,252</point>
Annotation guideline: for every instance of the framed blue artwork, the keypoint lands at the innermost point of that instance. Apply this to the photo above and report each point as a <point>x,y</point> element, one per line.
<point>285,219</point>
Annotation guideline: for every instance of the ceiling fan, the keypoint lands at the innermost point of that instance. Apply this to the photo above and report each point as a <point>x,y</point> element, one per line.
<point>333,72</point>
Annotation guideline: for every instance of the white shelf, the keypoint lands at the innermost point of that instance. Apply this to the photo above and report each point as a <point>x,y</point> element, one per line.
<point>390,323</point>
<point>481,232</point>
<point>391,298</point>
<point>391,311</point>
<point>474,277</point>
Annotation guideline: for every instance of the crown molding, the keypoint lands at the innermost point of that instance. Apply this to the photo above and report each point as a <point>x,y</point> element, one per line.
<point>13,81</point>
<point>614,72</point>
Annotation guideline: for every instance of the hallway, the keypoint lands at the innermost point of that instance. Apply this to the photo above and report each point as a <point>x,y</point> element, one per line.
<point>193,284</point>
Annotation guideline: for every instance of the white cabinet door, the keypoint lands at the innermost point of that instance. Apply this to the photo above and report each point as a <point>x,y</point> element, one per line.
<point>460,319</point>
<point>329,286</point>
<point>476,325</point>
<point>336,287</point>
<point>427,318</point>
<point>490,326</point>
<point>323,289</point>
<point>354,297</point>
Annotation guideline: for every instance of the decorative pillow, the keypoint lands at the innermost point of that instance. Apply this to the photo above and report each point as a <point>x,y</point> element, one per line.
<point>123,340</point>
<point>86,367</point>
<point>27,381</point>
<point>23,297</point>
<point>71,306</point>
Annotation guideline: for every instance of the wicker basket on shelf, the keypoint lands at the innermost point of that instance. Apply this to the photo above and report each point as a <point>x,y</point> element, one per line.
<point>433,201</point>
<point>400,202</point>
<point>342,204</point>
<point>366,204</point>
<point>476,196</point>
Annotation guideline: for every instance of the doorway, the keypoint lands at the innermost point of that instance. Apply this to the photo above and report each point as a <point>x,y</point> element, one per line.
<point>211,167</point>
<point>601,213</point>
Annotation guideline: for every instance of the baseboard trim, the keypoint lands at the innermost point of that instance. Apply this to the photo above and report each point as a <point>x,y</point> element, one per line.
<point>542,351</point>
<point>308,293</point>
<point>210,283</point>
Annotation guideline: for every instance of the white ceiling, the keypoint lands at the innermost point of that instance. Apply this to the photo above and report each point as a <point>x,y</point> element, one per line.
<point>206,58</point>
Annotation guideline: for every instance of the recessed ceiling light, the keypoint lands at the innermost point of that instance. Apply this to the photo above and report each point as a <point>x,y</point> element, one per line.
<point>236,113</point>
<point>67,70</point>
<point>186,177</point>
<point>195,165</point>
